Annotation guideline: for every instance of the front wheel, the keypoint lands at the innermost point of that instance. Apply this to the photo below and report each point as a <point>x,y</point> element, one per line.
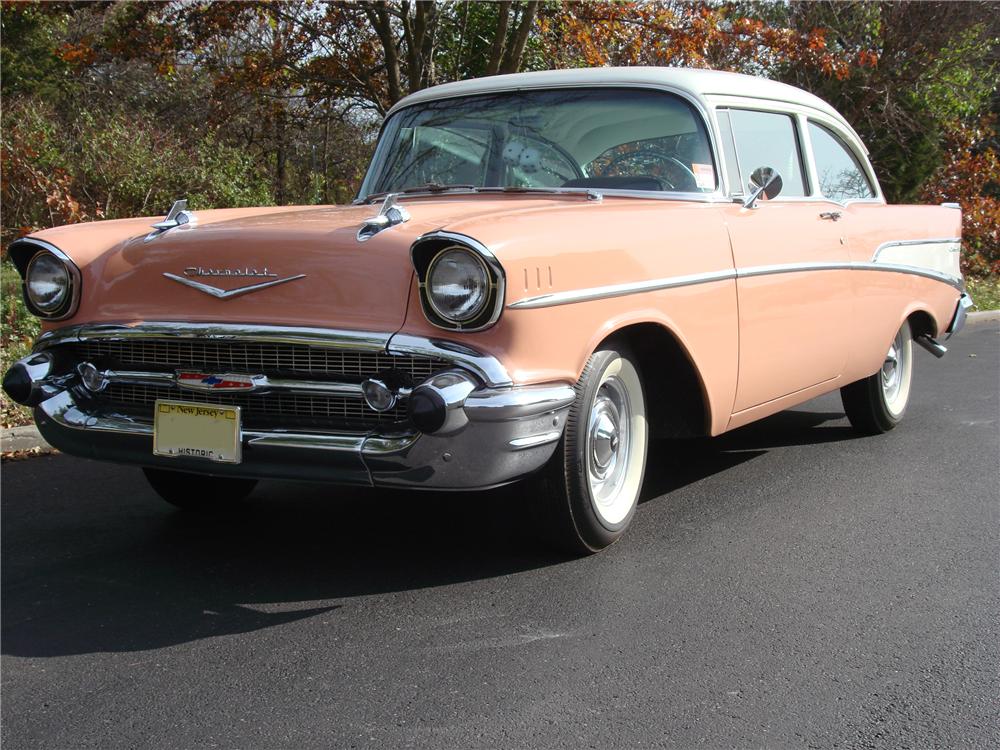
<point>876,404</point>
<point>590,489</point>
<point>198,492</point>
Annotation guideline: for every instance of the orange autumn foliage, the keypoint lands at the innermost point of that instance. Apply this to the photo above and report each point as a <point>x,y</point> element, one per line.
<point>970,176</point>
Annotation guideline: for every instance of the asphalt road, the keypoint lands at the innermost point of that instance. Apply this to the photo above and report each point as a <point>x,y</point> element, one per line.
<point>788,585</point>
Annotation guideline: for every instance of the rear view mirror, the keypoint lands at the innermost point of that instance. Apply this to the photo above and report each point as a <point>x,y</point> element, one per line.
<point>765,183</point>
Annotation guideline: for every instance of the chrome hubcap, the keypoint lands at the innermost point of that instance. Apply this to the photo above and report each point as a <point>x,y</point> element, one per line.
<point>604,441</point>
<point>892,369</point>
<point>608,442</point>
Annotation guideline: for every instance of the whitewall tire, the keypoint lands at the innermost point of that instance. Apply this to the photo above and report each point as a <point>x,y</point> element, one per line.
<point>590,490</point>
<point>877,403</point>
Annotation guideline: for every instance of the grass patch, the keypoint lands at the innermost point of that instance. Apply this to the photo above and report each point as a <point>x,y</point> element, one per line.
<point>985,292</point>
<point>18,331</point>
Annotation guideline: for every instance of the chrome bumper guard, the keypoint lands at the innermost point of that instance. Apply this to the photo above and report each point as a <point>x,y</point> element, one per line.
<point>495,433</point>
<point>965,303</point>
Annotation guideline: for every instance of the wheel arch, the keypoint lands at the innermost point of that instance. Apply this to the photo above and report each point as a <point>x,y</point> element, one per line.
<point>922,322</point>
<point>677,401</point>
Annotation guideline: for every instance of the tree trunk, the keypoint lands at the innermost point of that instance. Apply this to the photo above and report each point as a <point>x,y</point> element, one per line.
<point>515,50</point>
<point>280,128</point>
<point>378,16</point>
<point>499,39</point>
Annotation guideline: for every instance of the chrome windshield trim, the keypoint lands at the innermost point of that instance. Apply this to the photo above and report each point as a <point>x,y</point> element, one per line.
<point>653,285</point>
<point>699,103</point>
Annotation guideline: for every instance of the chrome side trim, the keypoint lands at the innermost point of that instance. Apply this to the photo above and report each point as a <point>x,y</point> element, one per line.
<point>76,279</point>
<point>619,290</point>
<point>913,271</point>
<point>639,287</point>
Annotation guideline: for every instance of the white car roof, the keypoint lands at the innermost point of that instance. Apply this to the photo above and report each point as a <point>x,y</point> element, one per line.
<point>696,82</point>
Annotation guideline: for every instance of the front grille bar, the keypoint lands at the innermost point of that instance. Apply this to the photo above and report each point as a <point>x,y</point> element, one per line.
<point>260,383</point>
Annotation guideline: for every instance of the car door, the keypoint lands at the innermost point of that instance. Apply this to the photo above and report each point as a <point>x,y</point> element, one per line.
<point>792,262</point>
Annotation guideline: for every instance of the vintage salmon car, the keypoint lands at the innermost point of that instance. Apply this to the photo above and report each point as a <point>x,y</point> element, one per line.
<point>540,273</point>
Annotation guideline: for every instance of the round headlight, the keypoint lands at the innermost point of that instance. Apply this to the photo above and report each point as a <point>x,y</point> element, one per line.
<point>47,283</point>
<point>458,284</point>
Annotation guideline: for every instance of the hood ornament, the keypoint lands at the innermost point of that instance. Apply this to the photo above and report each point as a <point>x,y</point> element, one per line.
<point>243,273</point>
<point>389,215</point>
<point>177,216</point>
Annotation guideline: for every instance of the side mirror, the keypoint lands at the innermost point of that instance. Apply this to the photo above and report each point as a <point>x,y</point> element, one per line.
<point>765,183</point>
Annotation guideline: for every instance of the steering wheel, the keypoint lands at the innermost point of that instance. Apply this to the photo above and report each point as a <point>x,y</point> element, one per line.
<point>687,182</point>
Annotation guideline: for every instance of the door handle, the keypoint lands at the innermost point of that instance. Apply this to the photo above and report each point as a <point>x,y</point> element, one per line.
<point>831,215</point>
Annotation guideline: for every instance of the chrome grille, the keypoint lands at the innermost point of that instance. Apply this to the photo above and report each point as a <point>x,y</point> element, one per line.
<point>259,409</point>
<point>255,357</point>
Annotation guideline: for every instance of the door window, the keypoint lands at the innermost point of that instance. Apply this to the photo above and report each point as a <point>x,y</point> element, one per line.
<point>841,177</point>
<point>768,139</point>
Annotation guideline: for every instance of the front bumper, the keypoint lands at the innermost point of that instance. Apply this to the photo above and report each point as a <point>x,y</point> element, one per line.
<point>495,432</point>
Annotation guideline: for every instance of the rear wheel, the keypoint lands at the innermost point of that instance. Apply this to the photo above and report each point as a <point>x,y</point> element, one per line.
<point>590,489</point>
<point>877,404</point>
<point>196,491</point>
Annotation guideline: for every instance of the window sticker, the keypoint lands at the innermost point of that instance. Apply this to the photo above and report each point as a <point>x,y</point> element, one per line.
<point>704,176</point>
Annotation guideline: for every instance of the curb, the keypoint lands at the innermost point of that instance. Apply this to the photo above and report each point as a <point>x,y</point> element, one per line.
<point>978,318</point>
<point>28,438</point>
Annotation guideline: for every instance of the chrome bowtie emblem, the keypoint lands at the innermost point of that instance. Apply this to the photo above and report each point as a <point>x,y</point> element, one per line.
<point>200,381</point>
<point>246,272</point>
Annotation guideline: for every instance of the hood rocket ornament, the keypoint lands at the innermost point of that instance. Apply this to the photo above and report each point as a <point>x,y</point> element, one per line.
<point>177,216</point>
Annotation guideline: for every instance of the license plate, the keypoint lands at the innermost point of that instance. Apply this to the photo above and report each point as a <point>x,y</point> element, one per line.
<point>206,431</point>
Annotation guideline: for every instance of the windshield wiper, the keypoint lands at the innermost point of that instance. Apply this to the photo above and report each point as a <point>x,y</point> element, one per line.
<point>590,193</point>
<point>430,187</point>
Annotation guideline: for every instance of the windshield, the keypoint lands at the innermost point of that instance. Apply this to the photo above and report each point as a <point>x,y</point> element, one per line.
<point>626,139</point>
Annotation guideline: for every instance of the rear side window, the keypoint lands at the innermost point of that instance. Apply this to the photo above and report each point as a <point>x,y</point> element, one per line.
<point>841,177</point>
<point>768,139</point>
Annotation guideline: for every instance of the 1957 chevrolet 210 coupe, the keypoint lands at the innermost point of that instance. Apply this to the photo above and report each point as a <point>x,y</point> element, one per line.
<point>541,272</point>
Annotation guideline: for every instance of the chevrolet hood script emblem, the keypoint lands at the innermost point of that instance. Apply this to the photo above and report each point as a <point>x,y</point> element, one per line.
<point>240,273</point>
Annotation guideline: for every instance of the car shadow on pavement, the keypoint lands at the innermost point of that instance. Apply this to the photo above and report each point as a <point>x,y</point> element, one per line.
<point>96,563</point>
<point>677,463</point>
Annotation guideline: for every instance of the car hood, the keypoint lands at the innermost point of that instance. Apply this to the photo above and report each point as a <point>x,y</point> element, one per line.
<point>305,264</point>
<point>322,274</point>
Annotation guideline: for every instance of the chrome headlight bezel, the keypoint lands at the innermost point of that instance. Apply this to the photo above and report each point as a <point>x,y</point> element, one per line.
<point>26,254</point>
<point>478,268</point>
<point>428,251</point>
